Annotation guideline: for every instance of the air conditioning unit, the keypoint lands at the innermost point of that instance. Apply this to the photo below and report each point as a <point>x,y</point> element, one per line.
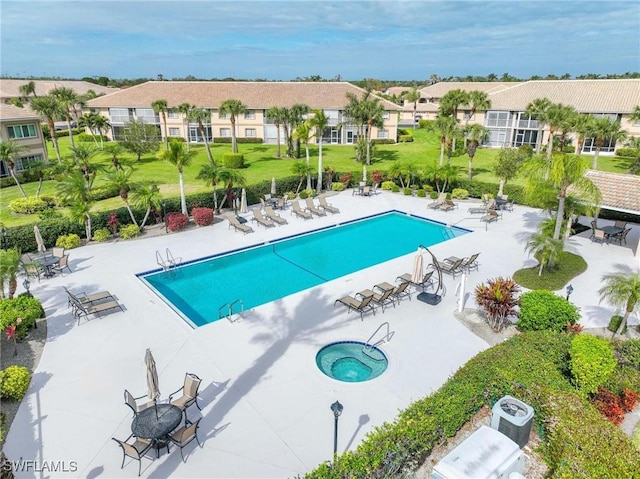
<point>513,418</point>
<point>486,454</point>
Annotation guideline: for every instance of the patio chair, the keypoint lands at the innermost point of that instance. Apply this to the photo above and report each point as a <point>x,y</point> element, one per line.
<point>233,221</point>
<point>313,208</point>
<point>423,284</point>
<point>471,262</point>
<point>326,206</point>
<point>448,205</point>
<point>189,394</point>
<point>353,304</point>
<point>381,299</point>
<point>135,450</point>
<point>133,403</point>
<point>622,236</point>
<point>58,251</point>
<point>282,203</point>
<point>439,201</point>
<point>32,269</point>
<point>599,236</point>
<point>374,189</point>
<point>184,436</point>
<point>261,220</point>
<point>401,291</point>
<point>273,216</point>
<point>492,215</point>
<point>298,211</point>
<point>61,265</point>
<point>620,224</point>
<point>449,268</point>
<point>366,191</point>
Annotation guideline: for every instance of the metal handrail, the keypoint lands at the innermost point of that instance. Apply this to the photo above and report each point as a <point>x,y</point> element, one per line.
<point>241,304</point>
<point>229,307</point>
<point>160,261</point>
<point>368,346</point>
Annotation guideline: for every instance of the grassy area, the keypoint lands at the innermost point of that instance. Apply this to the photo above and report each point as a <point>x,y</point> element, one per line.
<point>262,165</point>
<point>568,267</point>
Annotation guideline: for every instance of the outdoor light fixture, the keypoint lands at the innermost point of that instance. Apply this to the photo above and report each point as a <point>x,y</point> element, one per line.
<point>4,238</point>
<point>164,216</point>
<point>337,408</point>
<point>26,283</point>
<point>569,291</point>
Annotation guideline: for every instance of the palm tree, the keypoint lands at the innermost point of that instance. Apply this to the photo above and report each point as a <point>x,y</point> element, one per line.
<point>538,109</point>
<point>605,129</point>
<point>9,152</point>
<point>451,101</point>
<point>278,117</point>
<point>82,154</point>
<point>581,124</point>
<point>115,149</point>
<point>148,197</point>
<point>563,171</point>
<point>635,115</point>
<point>202,116</point>
<point>210,173</point>
<point>185,109</point>
<point>101,123</point>
<point>75,189</point>
<point>545,248</point>
<point>304,133</point>
<point>412,96</point>
<point>229,178</point>
<point>87,120</point>
<point>319,121</point>
<point>478,100</point>
<point>28,89</point>
<point>161,107</point>
<point>476,134</point>
<point>621,290</point>
<point>9,269</point>
<point>120,179</point>
<point>296,118</point>
<point>180,158</point>
<point>373,114</point>
<point>49,108</point>
<point>555,117</point>
<point>233,108</point>
<point>68,100</point>
<point>301,169</point>
<point>447,128</point>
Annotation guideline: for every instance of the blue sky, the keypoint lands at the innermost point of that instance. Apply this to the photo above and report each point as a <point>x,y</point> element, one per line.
<point>274,40</point>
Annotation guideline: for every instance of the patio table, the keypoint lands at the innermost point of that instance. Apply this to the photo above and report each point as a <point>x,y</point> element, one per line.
<point>155,423</point>
<point>610,231</point>
<point>48,262</point>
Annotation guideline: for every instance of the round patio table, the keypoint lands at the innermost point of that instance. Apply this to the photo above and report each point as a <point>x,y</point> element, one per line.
<point>155,423</point>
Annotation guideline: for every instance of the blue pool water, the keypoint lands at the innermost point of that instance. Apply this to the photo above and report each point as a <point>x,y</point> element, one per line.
<point>261,274</point>
<point>351,361</point>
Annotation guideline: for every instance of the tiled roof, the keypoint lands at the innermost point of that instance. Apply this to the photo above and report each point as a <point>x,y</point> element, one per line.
<point>10,112</point>
<point>255,95</point>
<point>586,96</point>
<point>619,191</point>
<point>10,88</point>
<point>438,90</point>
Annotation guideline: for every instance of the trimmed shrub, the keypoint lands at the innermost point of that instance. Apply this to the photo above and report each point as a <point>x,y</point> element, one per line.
<point>387,185</point>
<point>614,324</point>
<point>102,235</point>
<point>421,193</point>
<point>543,309</point>
<point>592,362</point>
<point>405,138</point>
<point>14,382</point>
<point>68,241</point>
<point>233,160</point>
<point>27,206</point>
<point>628,352</point>
<point>628,152</point>
<point>628,400</point>
<point>433,195</point>
<point>346,179</point>
<point>609,406</point>
<point>228,139</point>
<point>24,306</point>
<point>176,221</point>
<point>407,191</point>
<point>395,188</point>
<point>427,188</point>
<point>129,231</point>
<point>337,187</point>
<point>202,216</point>
<point>460,194</point>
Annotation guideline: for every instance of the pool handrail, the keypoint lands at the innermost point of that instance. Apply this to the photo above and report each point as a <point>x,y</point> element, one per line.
<point>387,337</point>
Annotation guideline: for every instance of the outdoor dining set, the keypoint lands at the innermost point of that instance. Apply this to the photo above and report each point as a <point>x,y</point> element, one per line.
<point>46,264</point>
<point>606,234</point>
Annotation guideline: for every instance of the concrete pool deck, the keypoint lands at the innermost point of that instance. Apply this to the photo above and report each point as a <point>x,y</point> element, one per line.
<point>265,404</point>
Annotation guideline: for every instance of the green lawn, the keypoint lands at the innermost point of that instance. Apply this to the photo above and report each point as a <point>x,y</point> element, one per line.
<point>568,267</point>
<point>262,164</point>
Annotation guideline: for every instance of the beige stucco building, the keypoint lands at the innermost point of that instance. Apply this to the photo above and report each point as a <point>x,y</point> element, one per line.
<point>22,126</point>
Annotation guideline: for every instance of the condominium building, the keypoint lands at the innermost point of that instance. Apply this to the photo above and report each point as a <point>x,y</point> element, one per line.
<point>22,126</point>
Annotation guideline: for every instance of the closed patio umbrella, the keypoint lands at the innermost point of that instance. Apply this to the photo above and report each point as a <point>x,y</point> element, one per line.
<point>41,247</point>
<point>153,390</point>
<point>416,276</point>
<point>273,186</point>
<point>243,202</point>
<point>364,173</point>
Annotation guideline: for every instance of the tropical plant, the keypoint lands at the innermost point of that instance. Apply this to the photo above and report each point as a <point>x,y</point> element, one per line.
<point>302,171</point>
<point>475,135</point>
<point>478,100</point>
<point>146,196</point>
<point>498,298</point>
<point>278,116</point>
<point>9,268</point>
<point>545,248</point>
<point>440,176</point>
<point>319,121</point>
<point>412,96</point>
<point>621,290</point>
<point>88,121</point>
<point>507,165</point>
<point>556,117</point>
<point>447,129</point>
<point>120,179</point>
<point>210,173</point>
<point>538,109</point>
<point>68,100</point>
<point>303,133</point>
<point>603,129</point>
<point>75,189</point>
<point>102,124</point>
<point>177,155</point>
<point>82,153</point>
<point>403,171</point>
<point>28,88</point>
<point>10,151</point>
<point>161,107</point>
<point>366,113</point>
<point>50,108</point>
<point>230,178</point>
<point>233,108</point>
<point>451,101</point>
<point>115,150</point>
<point>202,116</point>
<point>296,118</point>
<point>139,138</point>
<point>184,109</point>
<point>581,123</point>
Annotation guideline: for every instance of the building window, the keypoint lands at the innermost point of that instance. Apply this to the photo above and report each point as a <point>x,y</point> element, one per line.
<point>590,146</point>
<point>497,118</point>
<point>225,132</point>
<point>250,115</point>
<point>382,133</point>
<point>385,115</point>
<point>119,116</point>
<point>27,162</point>
<point>172,114</point>
<point>224,116</point>
<point>250,132</point>
<point>22,131</point>
<point>174,131</point>
<point>148,116</point>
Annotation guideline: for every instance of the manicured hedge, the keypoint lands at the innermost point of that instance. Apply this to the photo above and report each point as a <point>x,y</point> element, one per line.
<point>227,139</point>
<point>543,309</point>
<point>23,306</point>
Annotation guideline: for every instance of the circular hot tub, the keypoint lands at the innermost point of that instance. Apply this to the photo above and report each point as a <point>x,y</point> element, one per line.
<point>351,361</point>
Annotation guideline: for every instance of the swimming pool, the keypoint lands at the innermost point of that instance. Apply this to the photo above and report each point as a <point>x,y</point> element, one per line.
<point>266,272</point>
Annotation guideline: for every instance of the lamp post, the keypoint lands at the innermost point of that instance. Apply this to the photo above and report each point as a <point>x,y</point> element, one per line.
<point>26,283</point>
<point>164,216</point>
<point>569,291</point>
<point>3,232</point>
<point>337,408</point>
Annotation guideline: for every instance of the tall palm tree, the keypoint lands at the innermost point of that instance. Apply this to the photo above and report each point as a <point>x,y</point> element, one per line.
<point>303,133</point>
<point>581,125</point>
<point>412,96</point>
<point>120,179</point>
<point>87,120</point>
<point>147,197</point>
<point>210,173</point>
<point>297,117</point>
<point>478,100</point>
<point>233,108</point>
<point>49,107</point>
<point>545,248</point>
<point>180,158</point>
<point>161,107</point>
<point>451,102</point>
<point>68,99</point>
<point>75,189</point>
<point>278,117</point>
<point>301,170</point>
<point>319,121</point>
<point>555,117</point>
<point>447,129</point>
<point>563,172</point>
<point>621,290</point>
<point>373,114</point>
<point>102,124</point>
<point>475,134</point>
<point>10,151</point>
<point>202,116</point>
<point>230,178</point>
<point>184,109</point>
<point>538,109</point>
<point>28,89</point>
<point>603,129</point>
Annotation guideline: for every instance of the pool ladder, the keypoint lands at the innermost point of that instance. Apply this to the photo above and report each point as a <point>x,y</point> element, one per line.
<point>229,311</point>
<point>366,349</point>
<point>169,263</point>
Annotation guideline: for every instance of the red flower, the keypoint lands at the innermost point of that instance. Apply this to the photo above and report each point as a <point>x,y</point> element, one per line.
<point>11,331</point>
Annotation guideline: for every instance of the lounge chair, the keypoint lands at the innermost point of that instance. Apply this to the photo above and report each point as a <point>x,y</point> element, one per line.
<point>94,308</point>
<point>135,450</point>
<point>313,208</point>
<point>467,263</point>
<point>353,304</point>
<point>233,221</point>
<point>448,205</point>
<point>273,216</point>
<point>299,212</point>
<point>423,284</point>
<point>381,299</point>
<point>87,299</point>
<point>281,204</point>
<point>489,205</point>
<point>326,206</point>
<point>449,268</point>
<point>492,215</point>
<point>261,220</point>
<point>374,189</point>
<point>442,198</point>
<point>397,292</point>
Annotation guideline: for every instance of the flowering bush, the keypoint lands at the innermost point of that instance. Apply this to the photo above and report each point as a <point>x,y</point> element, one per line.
<point>176,221</point>
<point>27,308</point>
<point>14,382</point>
<point>498,300</point>
<point>202,216</point>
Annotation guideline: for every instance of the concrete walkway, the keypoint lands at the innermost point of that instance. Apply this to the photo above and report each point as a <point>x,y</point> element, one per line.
<point>265,404</point>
